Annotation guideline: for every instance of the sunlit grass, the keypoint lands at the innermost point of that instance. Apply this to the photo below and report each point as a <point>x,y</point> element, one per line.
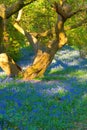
<point>3,76</point>
<point>66,73</point>
<point>54,77</point>
<point>69,70</point>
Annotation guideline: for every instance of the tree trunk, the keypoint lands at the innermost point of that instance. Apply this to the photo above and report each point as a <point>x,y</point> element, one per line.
<point>45,56</point>
<point>40,64</point>
<point>2,26</point>
<point>6,62</point>
<point>8,65</point>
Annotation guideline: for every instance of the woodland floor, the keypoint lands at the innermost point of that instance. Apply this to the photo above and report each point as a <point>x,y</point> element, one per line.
<point>57,101</point>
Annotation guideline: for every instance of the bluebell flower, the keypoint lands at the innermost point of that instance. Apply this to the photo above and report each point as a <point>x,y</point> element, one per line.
<point>39,94</point>
<point>1,92</point>
<point>35,110</point>
<point>53,107</point>
<point>3,104</point>
<point>56,114</point>
<point>0,128</point>
<point>68,98</point>
<point>2,112</point>
<point>18,102</point>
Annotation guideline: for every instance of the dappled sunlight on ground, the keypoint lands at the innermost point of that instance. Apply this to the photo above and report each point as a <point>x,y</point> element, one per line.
<point>55,102</point>
<point>39,103</point>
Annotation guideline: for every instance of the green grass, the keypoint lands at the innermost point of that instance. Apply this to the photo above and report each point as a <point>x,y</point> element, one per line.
<point>27,107</point>
<point>54,77</point>
<point>69,70</point>
<point>65,74</point>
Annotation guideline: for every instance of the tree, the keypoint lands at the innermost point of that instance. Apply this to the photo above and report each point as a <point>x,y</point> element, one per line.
<point>43,54</point>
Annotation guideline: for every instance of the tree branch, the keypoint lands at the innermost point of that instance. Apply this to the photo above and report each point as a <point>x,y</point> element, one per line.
<point>30,2</point>
<point>77,11</point>
<point>16,7</point>
<point>19,15</point>
<point>32,40</point>
<point>59,10</point>
<point>81,23</point>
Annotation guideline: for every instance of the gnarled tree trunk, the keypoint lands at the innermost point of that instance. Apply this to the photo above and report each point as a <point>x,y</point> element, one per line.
<point>2,26</point>
<point>45,56</point>
<point>6,62</point>
<point>8,65</point>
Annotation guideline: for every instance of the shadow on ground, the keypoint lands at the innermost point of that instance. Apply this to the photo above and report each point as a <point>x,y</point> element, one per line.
<point>47,104</point>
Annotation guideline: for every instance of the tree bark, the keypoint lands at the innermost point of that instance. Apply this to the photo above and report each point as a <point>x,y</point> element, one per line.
<point>8,65</point>
<point>16,7</point>
<point>45,56</point>
<point>2,26</point>
<point>6,62</point>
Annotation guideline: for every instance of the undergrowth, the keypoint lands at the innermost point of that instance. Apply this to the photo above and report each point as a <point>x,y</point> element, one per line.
<point>30,106</point>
